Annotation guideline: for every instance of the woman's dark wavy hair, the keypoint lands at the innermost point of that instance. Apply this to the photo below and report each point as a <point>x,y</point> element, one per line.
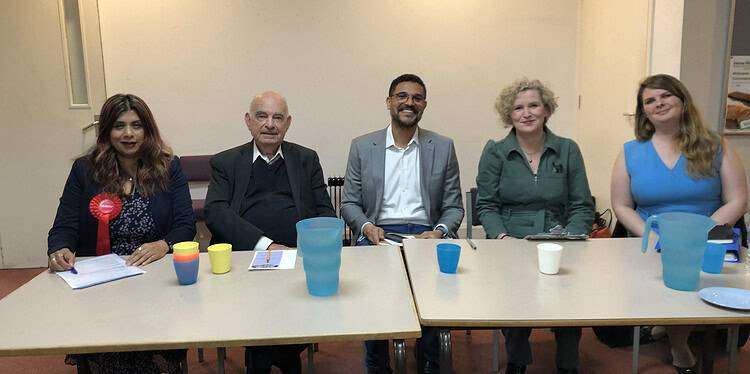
<point>698,143</point>
<point>154,155</point>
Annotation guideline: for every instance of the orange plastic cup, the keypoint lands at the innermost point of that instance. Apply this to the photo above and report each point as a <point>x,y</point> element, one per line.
<point>185,257</point>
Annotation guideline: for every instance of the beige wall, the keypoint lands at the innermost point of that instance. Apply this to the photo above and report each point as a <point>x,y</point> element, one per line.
<point>41,134</point>
<point>27,204</point>
<point>704,49</point>
<point>610,64</point>
<point>197,64</point>
<point>704,43</point>
<point>666,37</point>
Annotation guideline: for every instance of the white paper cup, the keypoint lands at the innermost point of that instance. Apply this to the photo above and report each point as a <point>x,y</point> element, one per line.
<point>549,257</point>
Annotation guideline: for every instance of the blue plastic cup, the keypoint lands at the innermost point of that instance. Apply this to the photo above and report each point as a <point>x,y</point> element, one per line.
<point>187,272</point>
<point>321,238</point>
<point>447,255</point>
<point>713,259</point>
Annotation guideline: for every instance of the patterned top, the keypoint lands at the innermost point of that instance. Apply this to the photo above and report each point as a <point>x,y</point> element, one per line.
<point>133,226</point>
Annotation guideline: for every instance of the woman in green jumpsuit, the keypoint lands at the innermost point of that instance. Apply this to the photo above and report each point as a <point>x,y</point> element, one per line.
<point>529,182</point>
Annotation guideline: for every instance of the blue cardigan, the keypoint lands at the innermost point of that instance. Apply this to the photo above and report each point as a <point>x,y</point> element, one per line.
<point>75,227</point>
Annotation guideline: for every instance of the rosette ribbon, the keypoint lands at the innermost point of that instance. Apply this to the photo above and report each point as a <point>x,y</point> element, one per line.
<point>104,207</point>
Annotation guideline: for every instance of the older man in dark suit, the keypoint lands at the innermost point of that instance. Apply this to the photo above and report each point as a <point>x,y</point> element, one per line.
<point>258,192</point>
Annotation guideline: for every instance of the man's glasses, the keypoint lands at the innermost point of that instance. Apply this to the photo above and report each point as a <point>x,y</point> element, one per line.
<point>403,97</point>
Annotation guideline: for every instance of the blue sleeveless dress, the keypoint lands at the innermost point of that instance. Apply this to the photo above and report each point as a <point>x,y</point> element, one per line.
<point>658,189</point>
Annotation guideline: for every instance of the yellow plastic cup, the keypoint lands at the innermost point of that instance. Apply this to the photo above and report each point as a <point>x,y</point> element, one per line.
<point>221,258</point>
<point>185,248</point>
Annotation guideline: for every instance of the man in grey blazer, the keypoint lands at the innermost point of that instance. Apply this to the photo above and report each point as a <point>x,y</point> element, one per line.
<point>402,179</point>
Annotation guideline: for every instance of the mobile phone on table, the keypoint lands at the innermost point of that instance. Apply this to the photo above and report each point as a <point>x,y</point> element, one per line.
<point>396,237</point>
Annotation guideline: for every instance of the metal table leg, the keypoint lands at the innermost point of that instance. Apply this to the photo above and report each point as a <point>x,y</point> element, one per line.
<point>184,364</point>
<point>496,350</point>
<point>221,354</point>
<point>446,356</point>
<point>636,347</point>
<point>709,347</point>
<point>311,349</point>
<point>399,353</point>
<point>733,335</point>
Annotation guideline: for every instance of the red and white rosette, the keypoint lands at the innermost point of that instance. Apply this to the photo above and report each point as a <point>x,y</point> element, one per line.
<point>104,207</point>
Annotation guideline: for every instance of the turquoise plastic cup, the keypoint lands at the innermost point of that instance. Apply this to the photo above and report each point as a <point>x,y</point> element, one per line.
<point>448,255</point>
<point>321,238</point>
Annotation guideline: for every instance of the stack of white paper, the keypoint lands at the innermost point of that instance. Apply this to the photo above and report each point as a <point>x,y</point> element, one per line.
<point>97,270</point>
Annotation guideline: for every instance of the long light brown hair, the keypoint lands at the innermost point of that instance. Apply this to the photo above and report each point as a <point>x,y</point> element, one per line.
<point>699,144</point>
<point>154,156</point>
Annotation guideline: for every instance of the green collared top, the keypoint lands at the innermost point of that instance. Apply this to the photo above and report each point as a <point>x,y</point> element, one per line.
<point>512,200</point>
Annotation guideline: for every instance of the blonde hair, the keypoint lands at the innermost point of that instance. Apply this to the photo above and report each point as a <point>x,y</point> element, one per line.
<point>504,101</point>
<point>698,143</point>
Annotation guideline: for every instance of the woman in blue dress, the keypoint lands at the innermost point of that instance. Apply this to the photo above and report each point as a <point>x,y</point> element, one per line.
<point>675,164</point>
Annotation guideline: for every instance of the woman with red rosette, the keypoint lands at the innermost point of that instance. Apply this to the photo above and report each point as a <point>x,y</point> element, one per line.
<point>127,196</point>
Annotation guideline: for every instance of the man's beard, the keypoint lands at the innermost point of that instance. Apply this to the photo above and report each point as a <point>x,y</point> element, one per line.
<point>398,122</point>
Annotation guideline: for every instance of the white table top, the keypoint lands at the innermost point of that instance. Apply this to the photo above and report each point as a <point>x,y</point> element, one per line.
<point>601,282</point>
<point>152,311</point>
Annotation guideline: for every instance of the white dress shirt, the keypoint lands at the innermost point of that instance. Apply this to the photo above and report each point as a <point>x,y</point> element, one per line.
<point>402,192</point>
<point>264,241</point>
<point>276,156</point>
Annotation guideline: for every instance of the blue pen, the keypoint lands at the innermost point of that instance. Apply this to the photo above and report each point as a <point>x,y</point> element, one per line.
<point>72,268</point>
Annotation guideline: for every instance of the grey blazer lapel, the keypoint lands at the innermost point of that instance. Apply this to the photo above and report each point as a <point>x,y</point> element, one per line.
<point>377,177</point>
<point>293,169</point>
<point>426,160</point>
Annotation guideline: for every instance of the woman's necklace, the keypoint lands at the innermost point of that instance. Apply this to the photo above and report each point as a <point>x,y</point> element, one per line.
<point>132,186</point>
<point>529,156</point>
